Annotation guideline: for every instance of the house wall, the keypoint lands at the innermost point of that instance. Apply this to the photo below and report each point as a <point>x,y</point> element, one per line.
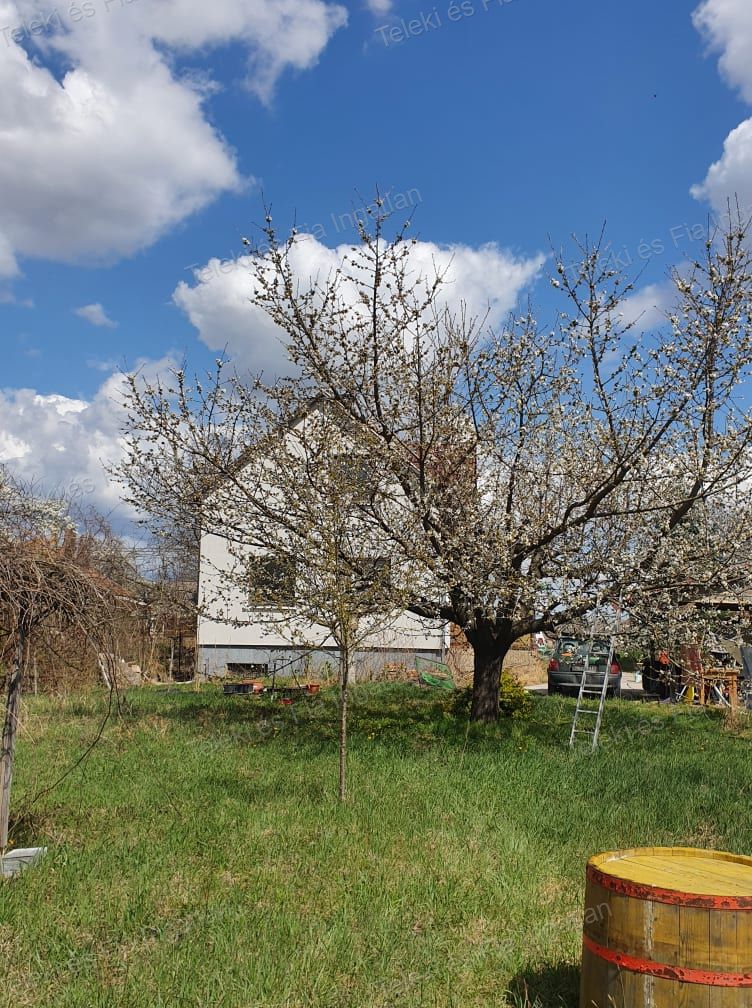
<point>238,635</point>
<point>320,663</point>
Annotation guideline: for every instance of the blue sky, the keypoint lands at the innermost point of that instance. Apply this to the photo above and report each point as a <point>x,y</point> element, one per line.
<point>136,140</point>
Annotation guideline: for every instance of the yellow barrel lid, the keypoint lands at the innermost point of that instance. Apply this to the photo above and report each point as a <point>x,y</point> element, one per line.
<point>682,869</point>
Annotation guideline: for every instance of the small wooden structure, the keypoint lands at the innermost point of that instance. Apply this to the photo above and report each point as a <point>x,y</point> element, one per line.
<point>720,682</point>
<point>710,685</point>
<point>667,927</point>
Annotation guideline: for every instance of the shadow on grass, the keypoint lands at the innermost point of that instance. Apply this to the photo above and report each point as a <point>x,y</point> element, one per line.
<point>386,713</point>
<point>547,987</point>
<point>403,717</point>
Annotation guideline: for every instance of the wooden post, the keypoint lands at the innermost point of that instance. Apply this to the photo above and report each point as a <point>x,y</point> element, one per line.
<point>10,728</point>
<point>344,676</point>
<point>733,693</point>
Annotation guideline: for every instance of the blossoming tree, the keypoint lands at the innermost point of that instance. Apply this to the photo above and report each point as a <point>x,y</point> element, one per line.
<point>515,475</point>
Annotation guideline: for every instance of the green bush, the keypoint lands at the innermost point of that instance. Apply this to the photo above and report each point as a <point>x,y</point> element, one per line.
<point>514,700</point>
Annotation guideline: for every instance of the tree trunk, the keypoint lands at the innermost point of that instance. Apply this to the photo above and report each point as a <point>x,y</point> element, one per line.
<point>10,727</point>
<point>344,677</point>
<point>101,661</point>
<point>489,651</point>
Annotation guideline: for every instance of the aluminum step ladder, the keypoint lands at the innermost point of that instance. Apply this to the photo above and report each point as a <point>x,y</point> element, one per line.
<point>583,725</point>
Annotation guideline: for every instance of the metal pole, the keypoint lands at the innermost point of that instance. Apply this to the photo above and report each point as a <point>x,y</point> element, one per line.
<point>9,733</point>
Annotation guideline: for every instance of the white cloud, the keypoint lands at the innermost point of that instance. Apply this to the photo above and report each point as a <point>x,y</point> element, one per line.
<point>8,264</point>
<point>731,175</point>
<point>379,7</point>
<point>647,308</point>
<point>62,444</point>
<point>727,26</point>
<point>487,279</point>
<point>95,314</point>
<point>8,297</point>
<point>104,160</point>
<point>12,447</point>
<point>101,365</point>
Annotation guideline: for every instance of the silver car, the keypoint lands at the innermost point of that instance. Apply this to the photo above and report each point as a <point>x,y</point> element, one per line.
<point>569,661</point>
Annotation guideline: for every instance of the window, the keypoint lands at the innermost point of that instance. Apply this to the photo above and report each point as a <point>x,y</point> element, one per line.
<point>249,669</point>
<point>272,580</point>
<point>351,469</point>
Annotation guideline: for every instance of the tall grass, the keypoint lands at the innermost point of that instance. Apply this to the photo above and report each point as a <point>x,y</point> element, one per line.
<point>199,857</point>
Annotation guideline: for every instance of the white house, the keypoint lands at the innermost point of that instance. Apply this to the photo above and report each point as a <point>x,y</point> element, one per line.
<point>235,637</point>
<point>239,643</point>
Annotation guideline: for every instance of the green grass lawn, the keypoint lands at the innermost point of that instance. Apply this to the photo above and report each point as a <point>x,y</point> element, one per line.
<point>199,856</point>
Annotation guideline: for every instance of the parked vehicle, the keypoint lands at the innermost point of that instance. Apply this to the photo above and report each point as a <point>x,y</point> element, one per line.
<point>568,662</point>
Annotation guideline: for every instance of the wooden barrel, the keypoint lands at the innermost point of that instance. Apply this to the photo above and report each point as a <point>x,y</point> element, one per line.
<point>667,927</point>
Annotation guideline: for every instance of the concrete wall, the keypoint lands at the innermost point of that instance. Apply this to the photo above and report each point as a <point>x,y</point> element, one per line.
<point>321,663</point>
